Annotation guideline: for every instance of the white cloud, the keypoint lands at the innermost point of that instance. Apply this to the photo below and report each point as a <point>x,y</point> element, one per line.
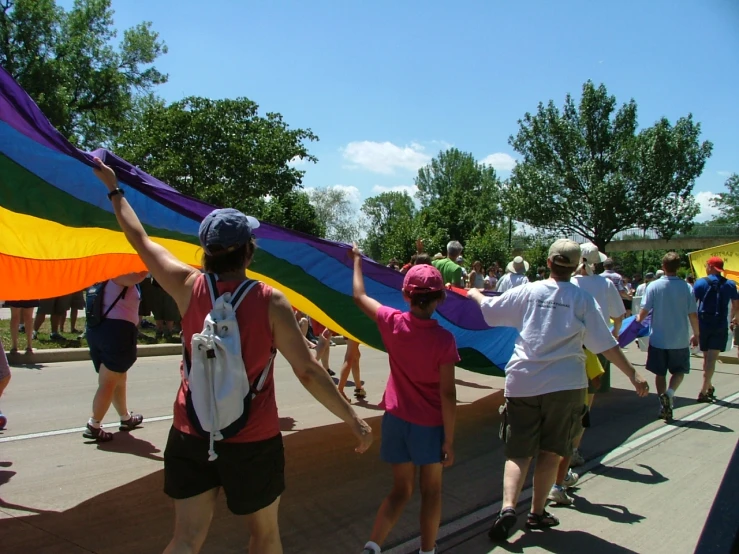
<point>724,173</point>
<point>500,161</point>
<point>707,209</point>
<point>297,160</point>
<point>385,157</point>
<point>410,190</point>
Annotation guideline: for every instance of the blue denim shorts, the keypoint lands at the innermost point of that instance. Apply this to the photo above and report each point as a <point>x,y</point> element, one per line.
<point>113,344</point>
<point>404,442</point>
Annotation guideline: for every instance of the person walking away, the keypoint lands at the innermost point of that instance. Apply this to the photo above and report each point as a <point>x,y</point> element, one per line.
<point>515,275</point>
<point>112,335</point>
<point>4,380</point>
<point>249,465</point>
<point>21,314</point>
<point>351,363</point>
<point>450,270</point>
<point>546,382</point>
<point>672,307</point>
<point>718,302</point>
<point>419,401</point>
<point>612,308</point>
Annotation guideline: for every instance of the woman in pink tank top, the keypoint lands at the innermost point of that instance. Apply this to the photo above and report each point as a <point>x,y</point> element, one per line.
<point>249,465</point>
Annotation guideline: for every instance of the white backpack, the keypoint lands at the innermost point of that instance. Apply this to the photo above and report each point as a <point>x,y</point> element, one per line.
<point>219,395</point>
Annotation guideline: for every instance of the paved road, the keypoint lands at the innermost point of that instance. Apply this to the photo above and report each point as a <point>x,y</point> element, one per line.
<point>60,495</point>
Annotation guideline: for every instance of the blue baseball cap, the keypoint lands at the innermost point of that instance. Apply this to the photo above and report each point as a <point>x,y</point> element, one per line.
<point>224,230</point>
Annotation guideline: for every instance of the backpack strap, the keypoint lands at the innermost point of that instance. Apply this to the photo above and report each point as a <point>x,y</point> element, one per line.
<point>259,384</point>
<point>241,291</point>
<point>121,295</point>
<point>212,281</point>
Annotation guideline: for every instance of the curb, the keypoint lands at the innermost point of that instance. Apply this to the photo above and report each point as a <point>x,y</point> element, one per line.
<point>54,355</point>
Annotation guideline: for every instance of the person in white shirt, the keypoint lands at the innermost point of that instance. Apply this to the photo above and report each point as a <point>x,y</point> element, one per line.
<point>545,378</point>
<point>515,275</point>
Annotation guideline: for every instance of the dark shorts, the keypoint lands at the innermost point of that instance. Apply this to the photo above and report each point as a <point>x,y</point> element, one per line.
<point>548,422</point>
<point>21,303</point>
<point>713,338</point>
<point>146,289</point>
<point>674,360</point>
<point>113,343</point>
<point>252,474</point>
<point>77,300</point>
<point>627,304</point>
<point>163,306</point>
<point>404,442</point>
<point>55,306</point>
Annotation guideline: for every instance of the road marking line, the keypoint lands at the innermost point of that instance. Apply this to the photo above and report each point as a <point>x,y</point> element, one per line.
<point>474,518</point>
<point>75,430</point>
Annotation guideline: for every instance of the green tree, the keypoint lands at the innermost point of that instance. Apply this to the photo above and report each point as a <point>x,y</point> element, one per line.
<point>586,170</point>
<point>391,225</point>
<point>336,212</point>
<point>459,198</point>
<point>67,62</point>
<point>488,247</point>
<point>728,202</point>
<point>220,151</point>
<point>293,211</point>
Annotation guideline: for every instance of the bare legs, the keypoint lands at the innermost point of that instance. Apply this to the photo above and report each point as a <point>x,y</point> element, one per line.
<point>18,316</point>
<point>709,367</point>
<point>111,390</point>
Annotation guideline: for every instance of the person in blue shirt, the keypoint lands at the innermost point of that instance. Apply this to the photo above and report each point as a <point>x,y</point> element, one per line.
<point>672,308</point>
<point>718,301</point>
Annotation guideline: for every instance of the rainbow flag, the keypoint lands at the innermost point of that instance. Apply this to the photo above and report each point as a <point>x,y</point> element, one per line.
<point>58,235</point>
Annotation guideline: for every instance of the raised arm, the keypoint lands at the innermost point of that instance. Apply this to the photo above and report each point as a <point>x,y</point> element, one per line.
<point>175,277</point>
<point>310,373</point>
<point>368,305</point>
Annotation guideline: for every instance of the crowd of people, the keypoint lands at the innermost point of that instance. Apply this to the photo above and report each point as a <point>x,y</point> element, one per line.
<point>568,319</point>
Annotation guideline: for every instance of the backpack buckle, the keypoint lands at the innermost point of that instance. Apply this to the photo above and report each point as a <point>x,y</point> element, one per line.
<point>210,353</point>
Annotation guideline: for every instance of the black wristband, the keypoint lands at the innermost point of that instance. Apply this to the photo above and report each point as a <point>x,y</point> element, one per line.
<point>115,191</point>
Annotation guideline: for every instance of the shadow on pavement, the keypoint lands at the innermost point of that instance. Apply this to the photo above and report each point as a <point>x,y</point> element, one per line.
<point>332,492</point>
<point>556,542</point>
<point>471,385</point>
<point>631,475</point>
<point>126,442</point>
<point>614,512</point>
<point>702,426</point>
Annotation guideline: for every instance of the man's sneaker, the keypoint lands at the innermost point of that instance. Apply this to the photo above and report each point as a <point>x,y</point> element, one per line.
<point>559,496</point>
<point>21,328</point>
<point>131,423</point>
<point>35,335</point>
<point>55,336</point>
<point>576,459</point>
<point>570,479</point>
<point>666,407</point>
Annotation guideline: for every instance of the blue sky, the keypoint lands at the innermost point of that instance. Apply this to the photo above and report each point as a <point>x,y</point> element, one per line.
<point>387,84</point>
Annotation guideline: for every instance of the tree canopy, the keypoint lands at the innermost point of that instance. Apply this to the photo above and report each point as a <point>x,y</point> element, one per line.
<point>391,226</point>
<point>459,197</point>
<point>66,62</point>
<point>728,202</point>
<point>587,170</point>
<point>335,211</point>
<point>221,151</point>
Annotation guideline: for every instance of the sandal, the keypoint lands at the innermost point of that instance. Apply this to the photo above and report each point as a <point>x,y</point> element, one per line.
<point>97,434</point>
<point>29,350</point>
<point>503,524</point>
<point>131,423</point>
<point>13,351</point>
<point>360,394</point>
<point>543,521</point>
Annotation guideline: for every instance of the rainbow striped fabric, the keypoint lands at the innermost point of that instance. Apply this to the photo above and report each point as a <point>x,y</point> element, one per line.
<point>58,235</point>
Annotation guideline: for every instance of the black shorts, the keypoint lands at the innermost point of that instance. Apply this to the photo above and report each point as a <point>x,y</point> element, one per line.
<point>113,343</point>
<point>21,303</point>
<point>77,300</point>
<point>713,338</point>
<point>627,304</point>
<point>252,474</point>
<point>674,360</point>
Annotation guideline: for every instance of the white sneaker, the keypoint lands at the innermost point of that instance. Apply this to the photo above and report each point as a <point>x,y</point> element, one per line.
<point>576,459</point>
<point>570,479</point>
<point>559,496</point>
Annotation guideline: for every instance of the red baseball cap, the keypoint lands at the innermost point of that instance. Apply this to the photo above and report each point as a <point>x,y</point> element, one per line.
<point>422,278</point>
<point>716,262</point>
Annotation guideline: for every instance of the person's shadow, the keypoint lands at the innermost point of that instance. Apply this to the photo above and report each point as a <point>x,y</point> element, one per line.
<point>631,475</point>
<point>558,542</point>
<point>701,425</point>
<point>125,442</point>
<point>613,512</point>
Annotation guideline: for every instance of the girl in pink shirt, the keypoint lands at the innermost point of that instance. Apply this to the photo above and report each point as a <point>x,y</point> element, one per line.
<point>420,399</point>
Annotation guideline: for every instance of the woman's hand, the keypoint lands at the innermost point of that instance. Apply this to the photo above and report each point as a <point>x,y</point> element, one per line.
<point>355,253</point>
<point>105,174</point>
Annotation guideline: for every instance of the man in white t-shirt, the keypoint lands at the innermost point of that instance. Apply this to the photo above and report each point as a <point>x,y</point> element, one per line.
<point>515,275</point>
<point>545,378</point>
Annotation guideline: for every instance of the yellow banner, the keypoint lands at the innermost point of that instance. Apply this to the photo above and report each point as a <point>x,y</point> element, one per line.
<point>727,252</point>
